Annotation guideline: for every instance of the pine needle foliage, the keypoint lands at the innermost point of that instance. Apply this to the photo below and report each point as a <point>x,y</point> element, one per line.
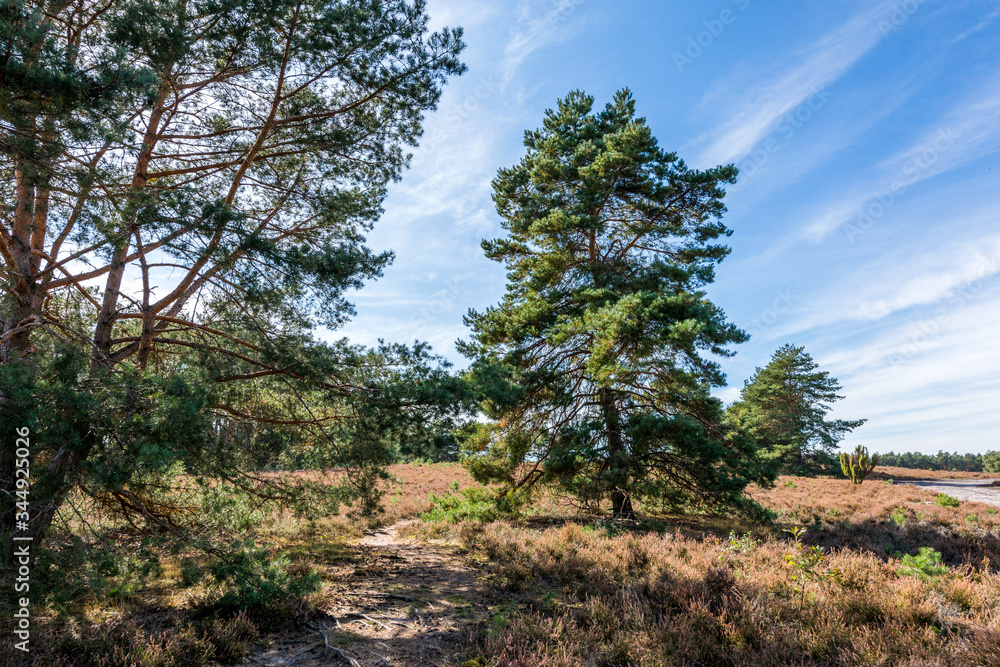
<point>783,407</point>
<point>198,177</point>
<point>593,365</point>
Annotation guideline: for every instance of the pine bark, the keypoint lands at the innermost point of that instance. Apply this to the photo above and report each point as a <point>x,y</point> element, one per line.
<point>617,461</point>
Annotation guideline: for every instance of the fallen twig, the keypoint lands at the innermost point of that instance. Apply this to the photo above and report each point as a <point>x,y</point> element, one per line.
<point>391,596</point>
<point>369,618</point>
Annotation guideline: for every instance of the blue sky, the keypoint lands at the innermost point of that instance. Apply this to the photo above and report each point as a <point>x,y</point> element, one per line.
<point>866,218</point>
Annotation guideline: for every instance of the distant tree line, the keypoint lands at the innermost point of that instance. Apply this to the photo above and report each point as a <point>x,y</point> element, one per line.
<point>940,461</point>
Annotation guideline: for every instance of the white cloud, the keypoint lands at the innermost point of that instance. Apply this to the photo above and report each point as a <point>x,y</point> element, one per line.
<point>536,26</point>
<point>969,131</point>
<point>821,65</point>
<point>936,390</point>
<point>988,19</point>
<point>889,285</point>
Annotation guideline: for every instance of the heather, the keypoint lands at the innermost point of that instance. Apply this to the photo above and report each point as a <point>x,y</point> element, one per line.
<point>587,597</point>
<point>687,591</point>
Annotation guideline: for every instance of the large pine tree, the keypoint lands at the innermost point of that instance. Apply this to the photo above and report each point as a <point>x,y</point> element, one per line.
<point>199,177</point>
<point>784,406</point>
<point>593,362</point>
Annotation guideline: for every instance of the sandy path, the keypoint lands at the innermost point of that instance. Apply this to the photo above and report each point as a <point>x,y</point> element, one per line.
<point>401,603</point>
<point>976,490</point>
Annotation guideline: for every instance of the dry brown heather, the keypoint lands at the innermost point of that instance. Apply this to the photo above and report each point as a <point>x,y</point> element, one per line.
<point>892,472</point>
<point>558,588</point>
<point>408,490</point>
<point>406,494</point>
<point>409,495</point>
<point>576,594</point>
<point>581,597</point>
<point>885,519</point>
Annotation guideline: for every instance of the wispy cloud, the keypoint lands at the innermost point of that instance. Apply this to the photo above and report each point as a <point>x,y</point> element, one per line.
<point>535,28</point>
<point>820,65</point>
<point>988,19</point>
<point>969,131</point>
<point>914,278</point>
<point>942,397</point>
<point>973,128</point>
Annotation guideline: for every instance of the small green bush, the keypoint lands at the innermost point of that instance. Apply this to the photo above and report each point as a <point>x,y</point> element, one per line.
<point>944,500</point>
<point>926,565</point>
<point>858,465</point>
<point>474,504</point>
<point>251,580</point>
<point>230,509</point>
<point>191,574</point>
<point>899,517</point>
<point>739,545</point>
<point>106,571</point>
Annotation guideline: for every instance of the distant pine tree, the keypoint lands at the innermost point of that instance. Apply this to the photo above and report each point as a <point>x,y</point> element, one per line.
<point>784,406</point>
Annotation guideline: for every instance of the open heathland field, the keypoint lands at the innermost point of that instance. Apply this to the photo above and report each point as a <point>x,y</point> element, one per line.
<point>888,573</point>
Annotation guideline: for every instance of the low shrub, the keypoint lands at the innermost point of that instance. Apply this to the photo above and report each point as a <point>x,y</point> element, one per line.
<point>99,571</point>
<point>231,639</point>
<point>926,565</point>
<point>249,579</point>
<point>474,504</point>
<point>944,500</point>
<point>666,599</point>
<point>899,517</point>
<point>739,545</point>
<point>124,644</point>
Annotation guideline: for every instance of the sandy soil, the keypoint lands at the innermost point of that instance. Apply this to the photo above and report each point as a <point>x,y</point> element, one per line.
<point>976,490</point>
<point>402,603</point>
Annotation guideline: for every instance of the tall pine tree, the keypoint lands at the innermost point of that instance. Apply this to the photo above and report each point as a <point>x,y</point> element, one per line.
<point>592,363</point>
<point>784,406</point>
<point>199,177</point>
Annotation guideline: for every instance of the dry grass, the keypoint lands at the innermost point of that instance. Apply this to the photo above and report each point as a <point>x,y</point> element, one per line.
<point>885,519</point>
<point>585,593</point>
<point>582,597</point>
<point>410,494</point>
<point>567,589</point>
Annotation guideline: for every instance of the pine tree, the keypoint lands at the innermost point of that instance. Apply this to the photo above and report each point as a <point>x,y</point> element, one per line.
<point>592,363</point>
<point>784,406</point>
<point>211,168</point>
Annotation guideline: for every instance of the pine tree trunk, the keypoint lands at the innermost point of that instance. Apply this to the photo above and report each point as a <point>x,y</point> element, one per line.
<point>621,504</point>
<point>617,462</point>
<point>17,311</point>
